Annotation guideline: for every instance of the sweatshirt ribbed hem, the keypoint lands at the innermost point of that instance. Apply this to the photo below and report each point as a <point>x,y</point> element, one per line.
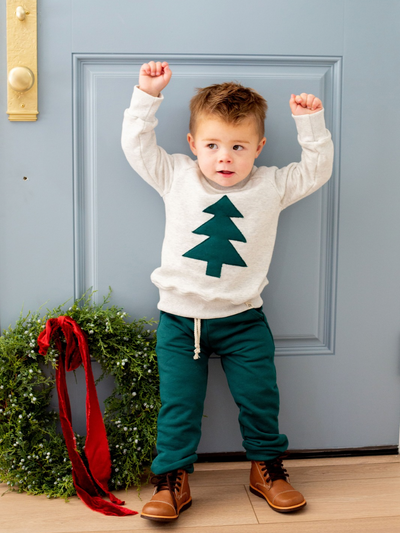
<point>192,306</point>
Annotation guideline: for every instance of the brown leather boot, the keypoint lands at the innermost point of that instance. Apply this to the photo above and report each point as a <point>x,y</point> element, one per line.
<point>269,480</point>
<point>171,496</point>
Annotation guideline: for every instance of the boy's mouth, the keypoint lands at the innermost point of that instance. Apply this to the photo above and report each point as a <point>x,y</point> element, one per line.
<point>225,172</point>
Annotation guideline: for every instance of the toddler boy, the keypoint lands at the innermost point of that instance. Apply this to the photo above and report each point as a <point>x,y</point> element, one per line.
<point>221,221</point>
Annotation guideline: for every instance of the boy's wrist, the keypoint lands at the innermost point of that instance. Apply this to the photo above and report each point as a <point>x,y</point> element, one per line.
<point>311,127</point>
<point>143,105</point>
<point>150,93</point>
<point>316,113</point>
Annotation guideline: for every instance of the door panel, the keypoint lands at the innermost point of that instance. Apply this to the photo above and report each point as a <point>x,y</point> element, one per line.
<point>83,218</point>
<point>301,300</point>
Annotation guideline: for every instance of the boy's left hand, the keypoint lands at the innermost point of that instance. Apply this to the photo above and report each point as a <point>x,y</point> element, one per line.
<point>305,104</point>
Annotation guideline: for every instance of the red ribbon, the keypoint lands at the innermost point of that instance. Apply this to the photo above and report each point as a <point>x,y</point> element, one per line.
<point>96,446</point>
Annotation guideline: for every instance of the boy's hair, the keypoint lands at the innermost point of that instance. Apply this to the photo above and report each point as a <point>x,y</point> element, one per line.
<point>229,101</point>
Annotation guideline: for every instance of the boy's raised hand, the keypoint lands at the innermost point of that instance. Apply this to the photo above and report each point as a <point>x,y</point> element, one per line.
<point>305,104</point>
<point>154,77</point>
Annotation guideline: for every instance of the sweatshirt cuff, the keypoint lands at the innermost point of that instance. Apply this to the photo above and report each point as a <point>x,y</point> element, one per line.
<point>144,105</point>
<point>311,127</point>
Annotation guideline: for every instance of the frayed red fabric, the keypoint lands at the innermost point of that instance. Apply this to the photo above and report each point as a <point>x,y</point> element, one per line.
<point>96,446</point>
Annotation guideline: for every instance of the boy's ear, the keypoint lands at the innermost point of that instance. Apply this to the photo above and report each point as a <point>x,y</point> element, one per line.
<point>260,146</point>
<point>190,140</point>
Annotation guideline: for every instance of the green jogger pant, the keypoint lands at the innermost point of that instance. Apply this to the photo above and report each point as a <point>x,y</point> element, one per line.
<point>245,345</point>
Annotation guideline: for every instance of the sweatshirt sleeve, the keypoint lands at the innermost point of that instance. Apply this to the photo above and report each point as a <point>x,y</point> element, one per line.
<point>139,142</point>
<point>298,180</point>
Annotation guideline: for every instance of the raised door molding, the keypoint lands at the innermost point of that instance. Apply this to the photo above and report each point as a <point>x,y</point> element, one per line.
<point>90,71</point>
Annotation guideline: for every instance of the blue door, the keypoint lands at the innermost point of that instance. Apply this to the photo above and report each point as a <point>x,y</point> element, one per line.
<point>74,215</point>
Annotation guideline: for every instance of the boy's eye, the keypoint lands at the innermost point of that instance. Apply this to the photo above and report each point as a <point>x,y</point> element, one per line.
<point>238,147</point>
<point>212,146</point>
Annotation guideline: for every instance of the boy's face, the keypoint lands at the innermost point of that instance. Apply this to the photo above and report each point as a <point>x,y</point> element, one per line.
<point>225,152</point>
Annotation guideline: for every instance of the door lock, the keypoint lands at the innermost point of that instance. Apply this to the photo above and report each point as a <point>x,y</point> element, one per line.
<point>21,13</point>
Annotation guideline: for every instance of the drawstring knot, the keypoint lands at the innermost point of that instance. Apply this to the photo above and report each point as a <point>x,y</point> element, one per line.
<point>197,333</point>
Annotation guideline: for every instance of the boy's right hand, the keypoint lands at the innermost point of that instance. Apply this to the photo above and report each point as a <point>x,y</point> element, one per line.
<point>154,77</point>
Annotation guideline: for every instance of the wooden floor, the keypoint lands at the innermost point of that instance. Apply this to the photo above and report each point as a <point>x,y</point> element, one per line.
<point>357,495</point>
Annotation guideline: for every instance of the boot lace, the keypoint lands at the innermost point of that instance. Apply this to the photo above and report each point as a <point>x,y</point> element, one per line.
<point>170,482</point>
<point>273,470</point>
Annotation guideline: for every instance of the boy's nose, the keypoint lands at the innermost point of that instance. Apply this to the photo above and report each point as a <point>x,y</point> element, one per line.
<point>225,158</point>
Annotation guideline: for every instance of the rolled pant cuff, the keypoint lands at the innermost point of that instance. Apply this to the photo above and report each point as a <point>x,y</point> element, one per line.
<point>264,456</point>
<point>159,469</point>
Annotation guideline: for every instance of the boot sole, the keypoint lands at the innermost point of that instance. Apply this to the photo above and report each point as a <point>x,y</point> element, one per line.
<point>276,508</point>
<point>156,518</point>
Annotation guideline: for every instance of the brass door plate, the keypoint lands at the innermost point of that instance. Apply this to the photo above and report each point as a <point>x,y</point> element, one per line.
<point>22,101</point>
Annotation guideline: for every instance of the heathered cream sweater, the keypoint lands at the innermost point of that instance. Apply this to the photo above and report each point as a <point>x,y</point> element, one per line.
<point>219,241</point>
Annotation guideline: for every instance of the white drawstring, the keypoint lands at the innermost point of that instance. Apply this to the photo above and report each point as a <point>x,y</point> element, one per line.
<point>197,333</point>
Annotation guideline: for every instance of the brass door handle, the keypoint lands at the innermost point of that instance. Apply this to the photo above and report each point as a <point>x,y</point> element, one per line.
<point>21,79</point>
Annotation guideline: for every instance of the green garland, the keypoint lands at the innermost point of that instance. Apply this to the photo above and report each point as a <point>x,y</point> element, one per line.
<point>33,455</point>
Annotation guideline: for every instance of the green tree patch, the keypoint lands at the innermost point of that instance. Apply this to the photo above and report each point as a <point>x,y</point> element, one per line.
<point>217,249</point>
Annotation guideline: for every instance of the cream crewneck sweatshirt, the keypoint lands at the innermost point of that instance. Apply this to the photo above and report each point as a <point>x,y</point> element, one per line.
<point>219,241</point>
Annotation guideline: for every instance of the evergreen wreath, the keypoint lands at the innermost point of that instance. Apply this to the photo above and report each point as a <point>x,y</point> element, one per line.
<point>33,454</point>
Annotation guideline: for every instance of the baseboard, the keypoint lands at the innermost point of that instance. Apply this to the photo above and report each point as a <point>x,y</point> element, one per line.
<point>304,454</point>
